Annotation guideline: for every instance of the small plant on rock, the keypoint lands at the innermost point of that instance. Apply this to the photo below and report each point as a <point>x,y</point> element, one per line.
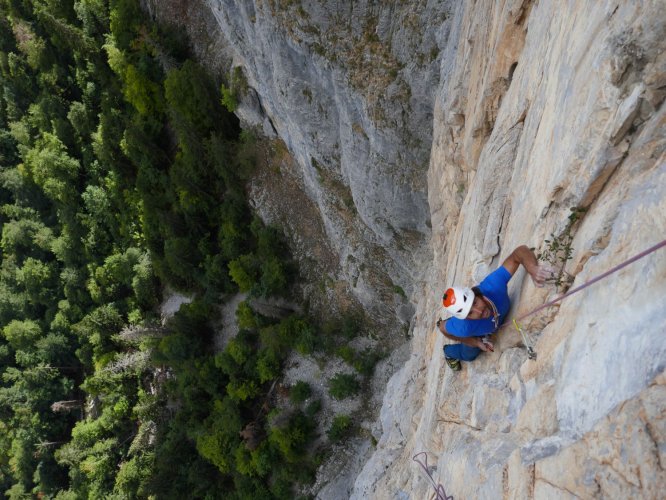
<point>235,91</point>
<point>559,250</point>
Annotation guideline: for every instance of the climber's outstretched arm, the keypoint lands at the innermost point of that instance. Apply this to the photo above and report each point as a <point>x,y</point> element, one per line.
<point>525,256</point>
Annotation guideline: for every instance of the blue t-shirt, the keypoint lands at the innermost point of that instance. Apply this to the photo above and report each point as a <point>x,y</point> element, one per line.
<point>494,287</point>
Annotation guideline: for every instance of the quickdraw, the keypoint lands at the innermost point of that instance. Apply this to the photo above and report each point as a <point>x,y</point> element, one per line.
<point>531,353</point>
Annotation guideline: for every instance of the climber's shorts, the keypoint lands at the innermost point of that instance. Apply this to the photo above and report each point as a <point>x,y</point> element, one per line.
<point>461,351</point>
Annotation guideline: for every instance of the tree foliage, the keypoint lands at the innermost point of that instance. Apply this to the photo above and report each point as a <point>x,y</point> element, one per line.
<point>121,173</point>
<point>340,427</point>
<point>343,385</point>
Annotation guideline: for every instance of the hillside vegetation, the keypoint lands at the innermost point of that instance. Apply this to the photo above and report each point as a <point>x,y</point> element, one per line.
<point>122,173</point>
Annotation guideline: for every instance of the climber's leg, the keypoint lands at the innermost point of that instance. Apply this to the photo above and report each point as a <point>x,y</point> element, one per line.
<point>461,351</point>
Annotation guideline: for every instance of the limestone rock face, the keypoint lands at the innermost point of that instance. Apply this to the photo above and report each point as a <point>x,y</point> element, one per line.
<point>546,106</point>
<point>432,138</point>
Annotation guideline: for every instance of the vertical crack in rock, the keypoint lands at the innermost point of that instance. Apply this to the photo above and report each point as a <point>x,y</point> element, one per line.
<point>498,163</point>
<point>532,484</point>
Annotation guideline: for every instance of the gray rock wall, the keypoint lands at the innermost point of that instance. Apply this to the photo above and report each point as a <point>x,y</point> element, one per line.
<point>349,87</point>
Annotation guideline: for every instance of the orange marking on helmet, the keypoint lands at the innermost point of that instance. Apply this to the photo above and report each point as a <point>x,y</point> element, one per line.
<point>449,298</point>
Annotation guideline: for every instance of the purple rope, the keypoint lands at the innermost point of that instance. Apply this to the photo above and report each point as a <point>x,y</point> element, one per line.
<point>593,280</point>
<point>439,489</point>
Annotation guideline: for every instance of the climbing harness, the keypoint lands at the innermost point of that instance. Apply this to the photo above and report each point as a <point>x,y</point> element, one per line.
<point>496,316</point>
<point>439,489</point>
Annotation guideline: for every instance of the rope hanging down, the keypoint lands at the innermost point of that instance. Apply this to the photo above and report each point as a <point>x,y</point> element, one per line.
<point>531,353</point>
<point>439,489</point>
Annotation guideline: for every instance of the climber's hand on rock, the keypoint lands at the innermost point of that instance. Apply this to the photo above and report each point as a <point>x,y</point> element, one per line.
<point>486,345</point>
<point>543,273</point>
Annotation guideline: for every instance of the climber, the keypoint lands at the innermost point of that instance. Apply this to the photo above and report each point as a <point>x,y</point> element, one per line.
<point>479,311</point>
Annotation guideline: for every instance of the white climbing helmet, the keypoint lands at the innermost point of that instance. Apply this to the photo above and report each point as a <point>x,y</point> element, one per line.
<point>458,301</point>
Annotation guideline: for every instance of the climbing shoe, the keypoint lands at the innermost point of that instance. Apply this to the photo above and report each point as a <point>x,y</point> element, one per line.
<point>453,363</point>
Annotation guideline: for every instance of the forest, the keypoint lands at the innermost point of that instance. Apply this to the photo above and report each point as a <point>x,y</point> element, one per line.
<point>122,173</point>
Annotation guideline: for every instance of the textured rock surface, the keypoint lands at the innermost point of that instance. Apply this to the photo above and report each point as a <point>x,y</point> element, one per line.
<point>431,138</point>
<point>349,87</point>
<point>548,106</point>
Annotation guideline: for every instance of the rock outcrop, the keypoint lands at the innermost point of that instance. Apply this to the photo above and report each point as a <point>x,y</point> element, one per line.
<point>434,137</point>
